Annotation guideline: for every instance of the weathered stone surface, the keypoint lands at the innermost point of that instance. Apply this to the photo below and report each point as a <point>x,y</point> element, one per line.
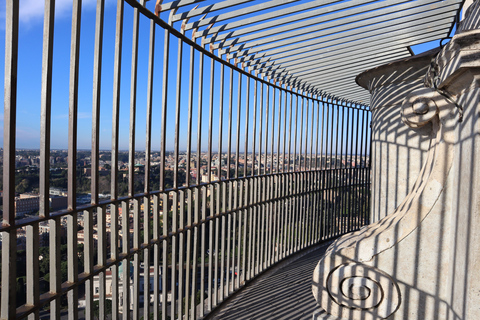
<point>420,259</point>
<point>398,152</point>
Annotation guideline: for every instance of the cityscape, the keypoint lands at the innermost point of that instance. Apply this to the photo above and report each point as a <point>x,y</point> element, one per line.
<point>27,185</point>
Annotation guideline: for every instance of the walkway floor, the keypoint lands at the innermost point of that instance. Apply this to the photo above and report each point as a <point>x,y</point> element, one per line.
<point>285,292</point>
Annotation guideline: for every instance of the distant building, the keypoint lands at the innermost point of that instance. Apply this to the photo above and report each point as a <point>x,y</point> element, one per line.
<point>30,203</point>
<point>26,203</point>
<point>58,202</point>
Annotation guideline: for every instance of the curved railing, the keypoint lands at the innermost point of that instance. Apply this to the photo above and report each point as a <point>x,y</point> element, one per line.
<point>286,169</point>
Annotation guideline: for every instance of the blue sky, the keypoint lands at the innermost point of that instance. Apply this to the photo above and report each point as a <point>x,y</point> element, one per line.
<point>29,81</point>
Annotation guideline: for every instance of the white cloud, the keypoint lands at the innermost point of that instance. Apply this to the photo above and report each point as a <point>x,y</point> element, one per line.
<point>31,11</point>
<point>34,9</point>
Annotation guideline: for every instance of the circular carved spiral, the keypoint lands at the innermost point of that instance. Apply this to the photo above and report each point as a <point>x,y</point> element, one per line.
<point>419,107</point>
<point>365,288</point>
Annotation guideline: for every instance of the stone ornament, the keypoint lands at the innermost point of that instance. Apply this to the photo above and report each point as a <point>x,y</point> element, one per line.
<point>364,288</point>
<point>349,282</point>
<point>419,108</point>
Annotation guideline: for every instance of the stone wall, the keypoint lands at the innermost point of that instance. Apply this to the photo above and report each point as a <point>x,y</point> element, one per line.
<point>421,258</point>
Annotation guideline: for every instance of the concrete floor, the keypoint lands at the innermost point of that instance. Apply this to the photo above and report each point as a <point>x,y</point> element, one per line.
<point>281,293</point>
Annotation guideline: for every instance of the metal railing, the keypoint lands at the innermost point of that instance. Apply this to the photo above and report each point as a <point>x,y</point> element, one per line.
<point>286,169</point>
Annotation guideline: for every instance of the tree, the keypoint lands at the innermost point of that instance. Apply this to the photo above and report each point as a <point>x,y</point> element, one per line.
<point>96,308</point>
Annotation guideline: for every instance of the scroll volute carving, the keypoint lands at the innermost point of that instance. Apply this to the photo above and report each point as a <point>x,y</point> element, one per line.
<point>348,281</point>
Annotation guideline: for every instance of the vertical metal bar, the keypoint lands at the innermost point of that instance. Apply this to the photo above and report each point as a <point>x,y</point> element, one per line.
<point>32,268</point>
<point>260,137</point>
<point>340,175</point>
<point>355,181</point>
<point>336,175</point>
<point>133,104</point>
<point>346,174</point>
<point>203,193</point>
<point>212,193</point>
<point>281,169</point>
<point>284,130</point>
<point>267,107</point>
<point>102,257</point>
<point>148,141</point>
<point>361,165</point>
<point>350,174</point>
<point>193,299</point>
<point>326,183</point>
<point>238,190</point>
<point>156,256</point>
<point>261,188</point>
<point>72,158</point>
<point>188,269</point>
<point>136,260</point>
<point>318,212</point>
<point>181,254</point>
<point>203,252</point>
<point>308,188</point>
<point>221,190</point>
<point>199,174</point>
<point>131,165</point>
<point>229,235</point>
<point>173,266</point>
<point>55,270</point>
<point>296,176</point>
<point>165,210</point>
<point>192,285</point>
<point>163,139</point>
<point>97,77</point>
<point>32,273</point>
<point>114,167</point>
<point>311,134</point>
<point>46,101</point>
<point>210,120</point>
<point>197,191</point>
<point>217,211</point>
<point>247,212</point>
<point>272,147</point>
<point>88,265</point>
<point>199,122</point>
<point>271,236</point>
<point>174,237</point>
<point>305,175</point>
<point>322,176</point>
<point>211,280</point>
<point>254,135</point>
<point>289,185</point>
<point>295,135</point>
<point>146,257</point>
<point>265,185</point>
<point>239,115</point>
<point>278,185</point>
<point>312,181</point>
<point>147,199</point>
<point>231,197</point>
<point>302,209</point>
<point>253,187</point>
<point>126,261</point>
<point>177,111</point>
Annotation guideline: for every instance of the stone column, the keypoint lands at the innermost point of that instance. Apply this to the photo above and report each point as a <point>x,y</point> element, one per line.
<point>398,152</point>
<point>421,260</point>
